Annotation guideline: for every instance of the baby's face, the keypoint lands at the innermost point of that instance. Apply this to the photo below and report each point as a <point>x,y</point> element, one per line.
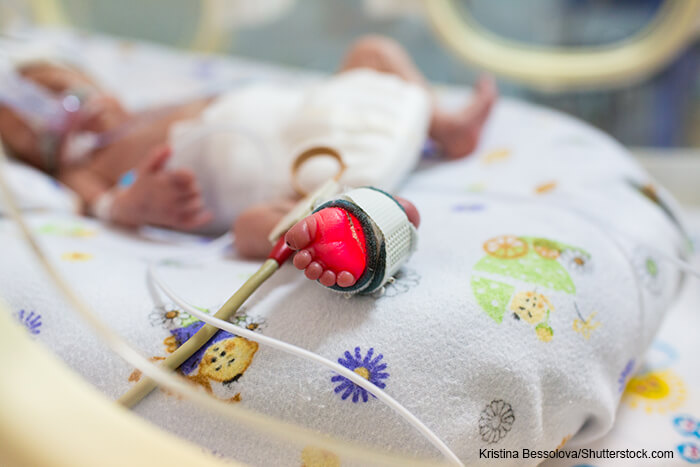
<point>99,112</point>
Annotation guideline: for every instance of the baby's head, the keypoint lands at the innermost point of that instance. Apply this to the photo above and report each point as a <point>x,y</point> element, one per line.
<point>39,145</point>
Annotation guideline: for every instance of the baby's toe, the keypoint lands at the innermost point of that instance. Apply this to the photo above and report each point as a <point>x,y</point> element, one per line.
<point>327,278</point>
<point>301,234</point>
<point>302,259</point>
<point>345,279</point>
<point>314,271</point>
<point>410,210</point>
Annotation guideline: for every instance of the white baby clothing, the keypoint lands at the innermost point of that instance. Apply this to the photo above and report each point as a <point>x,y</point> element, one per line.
<point>243,145</point>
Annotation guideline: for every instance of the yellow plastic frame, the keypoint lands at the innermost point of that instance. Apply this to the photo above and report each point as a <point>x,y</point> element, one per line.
<point>49,416</point>
<point>562,68</point>
<point>208,37</point>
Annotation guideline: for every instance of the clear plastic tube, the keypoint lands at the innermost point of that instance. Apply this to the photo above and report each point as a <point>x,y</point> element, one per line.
<point>43,110</point>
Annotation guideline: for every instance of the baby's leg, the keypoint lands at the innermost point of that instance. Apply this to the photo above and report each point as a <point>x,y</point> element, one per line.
<point>456,132</point>
<point>252,227</point>
<point>331,245</point>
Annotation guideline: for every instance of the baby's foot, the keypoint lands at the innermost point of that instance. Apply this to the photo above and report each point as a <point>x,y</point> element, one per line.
<point>332,247</point>
<point>458,133</point>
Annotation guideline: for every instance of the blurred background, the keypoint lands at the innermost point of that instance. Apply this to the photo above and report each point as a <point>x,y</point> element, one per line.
<point>657,110</point>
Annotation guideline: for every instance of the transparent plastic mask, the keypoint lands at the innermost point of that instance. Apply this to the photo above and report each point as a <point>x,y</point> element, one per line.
<point>49,116</point>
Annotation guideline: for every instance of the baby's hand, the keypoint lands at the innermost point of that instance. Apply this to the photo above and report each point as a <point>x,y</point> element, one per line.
<point>158,196</point>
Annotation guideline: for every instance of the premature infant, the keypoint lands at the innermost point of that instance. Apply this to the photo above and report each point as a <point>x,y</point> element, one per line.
<point>215,182</point>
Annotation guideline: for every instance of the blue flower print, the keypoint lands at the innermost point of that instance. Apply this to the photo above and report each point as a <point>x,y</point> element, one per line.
<point>369,368</point>
<point>624,375</point>
<point>31,320</point>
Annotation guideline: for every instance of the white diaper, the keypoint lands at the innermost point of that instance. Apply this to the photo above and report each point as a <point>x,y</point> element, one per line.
<point>243,145</point>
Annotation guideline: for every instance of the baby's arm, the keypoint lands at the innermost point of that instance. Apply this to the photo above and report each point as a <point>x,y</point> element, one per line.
<point>88,185</point>
<point>168,198</point>
<point>145,135</point>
